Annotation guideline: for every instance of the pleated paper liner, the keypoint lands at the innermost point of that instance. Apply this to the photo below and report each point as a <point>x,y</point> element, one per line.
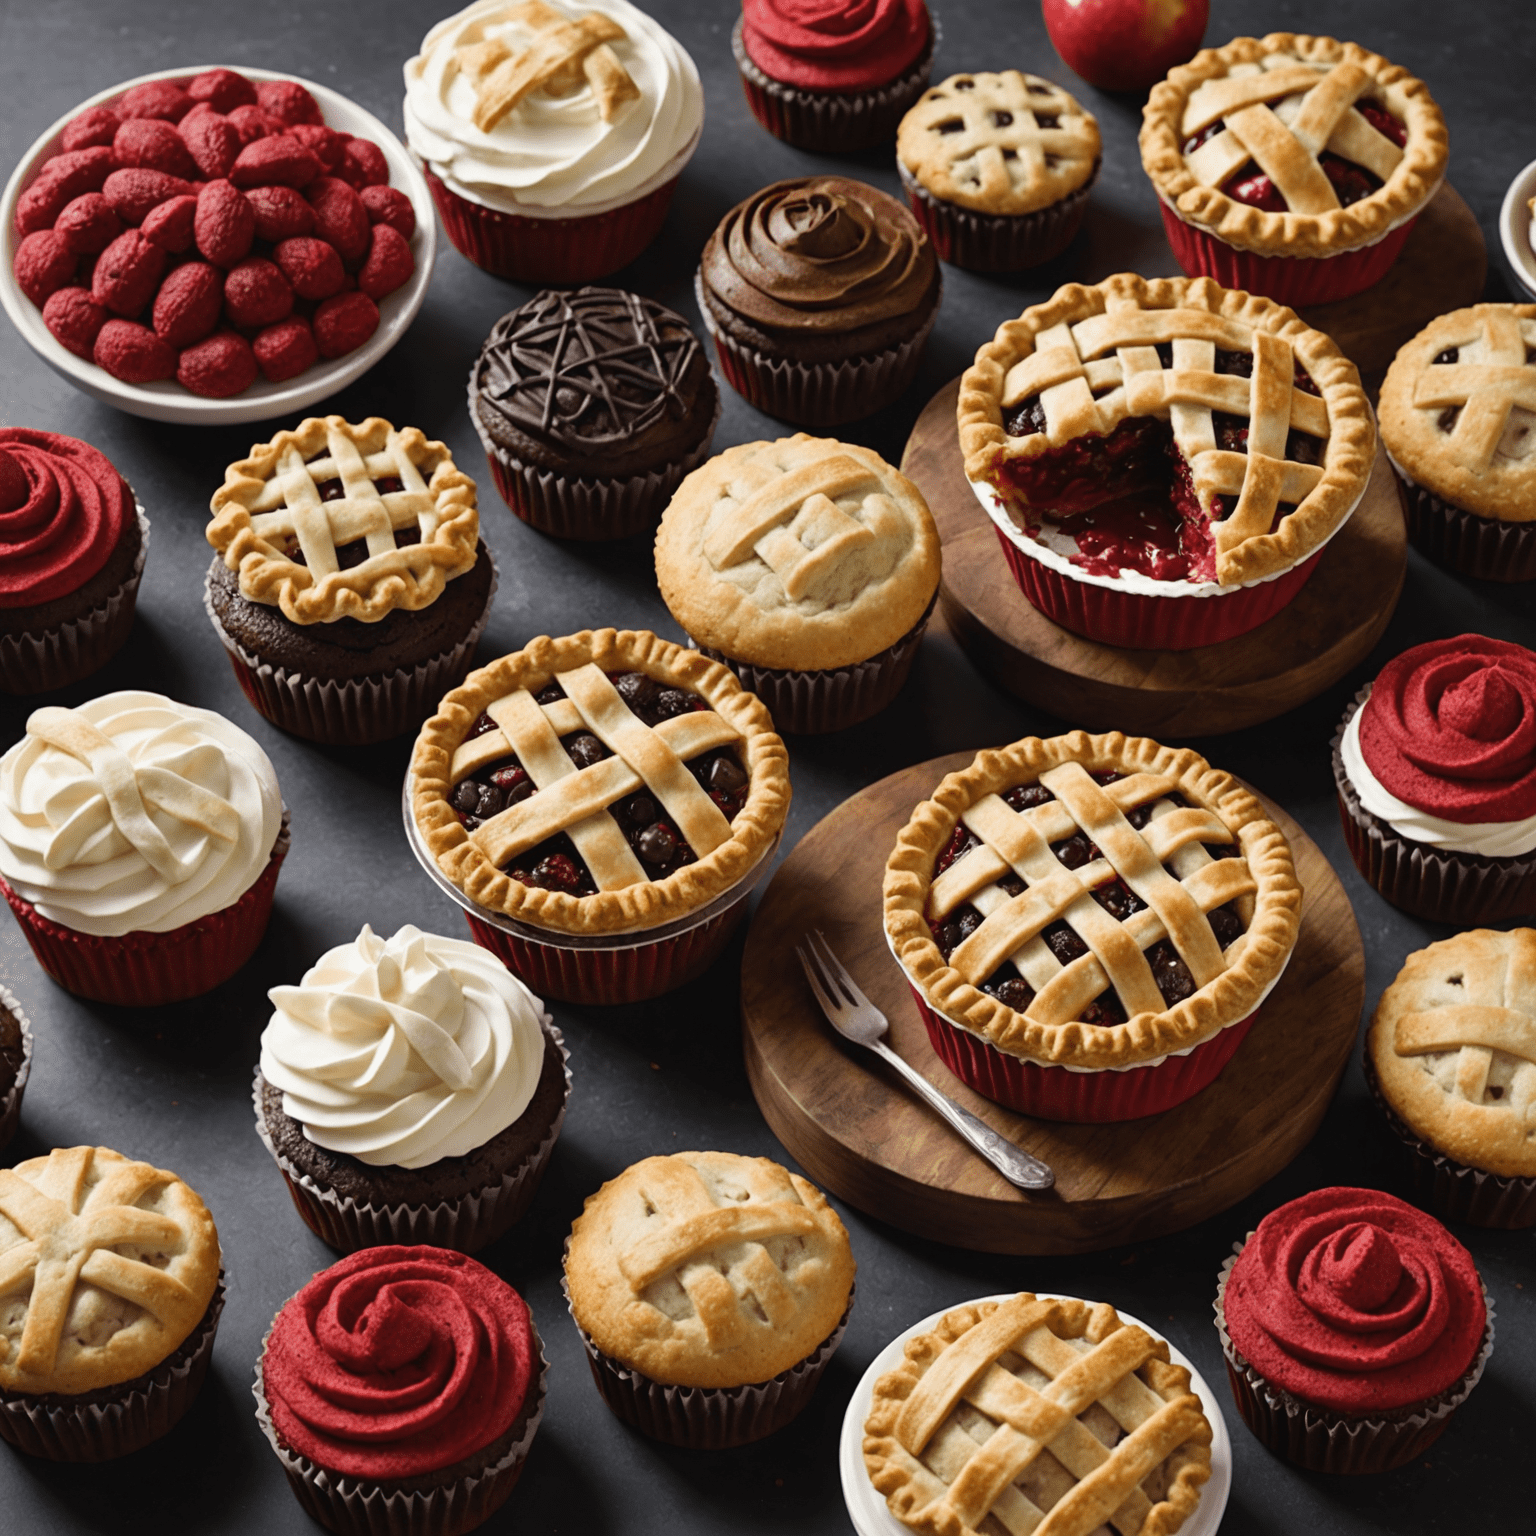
<point>143,970</point>
<point>1463,889</point>
<point>1455,1191</point>
<point>54,658</point>
<point>353,1506</point>
<point>1463,542</point>
<point>1321,1440</point>
<point>114,1421</point>
<point>359,711</point>
<point>10,1100</point>
<point>832,122</point>
<point>466,1224</point>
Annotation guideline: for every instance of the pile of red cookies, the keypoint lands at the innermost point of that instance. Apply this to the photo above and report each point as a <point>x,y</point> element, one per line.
<point>211,229</point>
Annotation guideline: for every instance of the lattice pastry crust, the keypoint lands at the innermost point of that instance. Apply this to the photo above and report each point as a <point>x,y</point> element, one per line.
<point>640,756</point>
<point>1453,1042</point>
<point>1259,876</point>
<point>106,1267</point>
<point>1052,1418</point>
<point>1293,95</point>
<point>271,497</point>
<point>1089,354</point>
<point>1466,429</point>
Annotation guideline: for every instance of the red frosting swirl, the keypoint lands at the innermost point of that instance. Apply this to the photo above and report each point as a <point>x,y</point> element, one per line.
<point>1450,727</point>
<point>1353,1300</point>
<point>63,509</point>
<point>819,47</point>
<point>399,1361</point>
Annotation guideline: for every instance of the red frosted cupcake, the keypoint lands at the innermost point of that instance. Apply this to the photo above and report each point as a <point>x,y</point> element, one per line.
<point>1353,1326</point>
<point>72,548</point>
<point>401,1390</point>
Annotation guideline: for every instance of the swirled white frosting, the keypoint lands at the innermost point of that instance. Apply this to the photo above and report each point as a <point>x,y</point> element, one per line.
<point>554,153</point>
<point>135,813</point>
<point>1485,839</point>
<point>406,1051</point>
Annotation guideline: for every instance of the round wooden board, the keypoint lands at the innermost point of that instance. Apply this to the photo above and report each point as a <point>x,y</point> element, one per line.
<point>1329,627</point>
<point>856,1129</point>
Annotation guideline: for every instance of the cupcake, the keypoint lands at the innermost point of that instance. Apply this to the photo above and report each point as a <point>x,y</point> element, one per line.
<point>819,294</point>
<point>72,548</point>
<point>1163,460</point>
<point>15,1063</point>
<point>710,1291</point>
<point>833,78</point>
<point>552,140</point>
<point>1435,768</point>
<point>592,406</point>
<point>111,1292</point>
<point>998,167</point>
<point>600,805</point>
<point>351,583</point>
<point>1291,166</point>
<point>809,567</point>
<point>1353,1327</point>
<point>401,1390</point>
<point>1451,1059</point>
<point>1456,408</point>
<point>119,904</point>
<point>1008,1409</point>
<point>410,1090</point>
<point>1090,923</point>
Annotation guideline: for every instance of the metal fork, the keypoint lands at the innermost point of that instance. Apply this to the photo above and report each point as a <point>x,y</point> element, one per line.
<point>855,1018</point>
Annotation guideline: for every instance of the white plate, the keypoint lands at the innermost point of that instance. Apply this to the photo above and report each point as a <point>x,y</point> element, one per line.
<point>167,400</point>
<point>1515,227</point>
<point>866,1507</point>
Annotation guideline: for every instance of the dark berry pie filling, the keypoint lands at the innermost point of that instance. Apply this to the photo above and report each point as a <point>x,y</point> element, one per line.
<point>555,865</point>
<point>1006,984</point>
<point>355,551</point>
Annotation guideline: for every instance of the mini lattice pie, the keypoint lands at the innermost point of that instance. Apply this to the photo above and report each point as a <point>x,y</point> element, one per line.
<point>1293,146</point>
<point>1171,427</point>
<point>1036,1417</point>
<point>332,520</point>
<point>106,1266</point>
<point>1005,143</point>
<point>599,782</point>
<point>1093,901</point>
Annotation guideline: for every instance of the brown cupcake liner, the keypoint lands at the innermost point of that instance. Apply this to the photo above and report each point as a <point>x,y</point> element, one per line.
<point>997,242</point>
<point>466,1225</point>
<point>361,710</point>
<point>585,509</point>
<point>90,1427</point>
<point>833,122</point>
<point>54,658</point>
<point>813,703</point>
<point>10,1100</point>
<point>1463,889</point>
<point>817,395</point>
<point>1464,542</point>
<point>1322,1440</point>
<point>354,1506</point>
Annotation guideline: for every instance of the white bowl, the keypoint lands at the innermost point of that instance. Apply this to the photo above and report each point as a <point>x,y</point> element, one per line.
<point>1515,227</point>
<point>167,400</point>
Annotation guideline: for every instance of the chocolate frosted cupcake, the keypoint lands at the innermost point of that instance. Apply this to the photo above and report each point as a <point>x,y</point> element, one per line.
<point>1353,1327</point>
<point>1435,767</point>
<point>592,406</point>
<point>1456,418</point>
<point>410,1091</point>
<point>72,548</point>
<point>351,583</point>
<point>819,294</point>
<point>15,1063</point>
<point>833,78</point>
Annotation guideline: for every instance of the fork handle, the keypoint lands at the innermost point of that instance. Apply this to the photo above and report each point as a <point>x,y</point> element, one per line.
<point>1016,1166</point>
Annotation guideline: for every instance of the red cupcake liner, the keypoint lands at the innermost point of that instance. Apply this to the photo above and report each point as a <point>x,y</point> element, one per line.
<point>1289,280</point>
<point>560,251</point>
<point>1462,541</point>
<point>1140,621</point>
<point>10,1100</point>
<point>143,970</point>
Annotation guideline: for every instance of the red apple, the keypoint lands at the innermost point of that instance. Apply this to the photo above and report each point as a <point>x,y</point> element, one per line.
<point>1125,45</point>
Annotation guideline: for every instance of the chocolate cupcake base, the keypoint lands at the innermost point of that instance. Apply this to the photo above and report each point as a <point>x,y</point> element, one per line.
<point>15,1043</point>
<point>1464,542</point>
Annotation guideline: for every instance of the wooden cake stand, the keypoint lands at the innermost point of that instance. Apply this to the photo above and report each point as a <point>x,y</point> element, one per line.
<point>856,1129</point>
